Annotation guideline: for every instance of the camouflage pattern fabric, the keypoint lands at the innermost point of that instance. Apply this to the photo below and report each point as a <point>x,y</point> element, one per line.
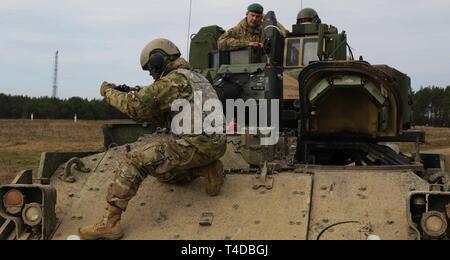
<point>172,159</point>
<point>153,103</point>
<point>203,91</point>
<point>241,35</point>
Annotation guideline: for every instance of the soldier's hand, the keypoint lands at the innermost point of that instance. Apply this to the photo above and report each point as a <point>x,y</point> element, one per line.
<point>256,45</point>
<point>105,86</point>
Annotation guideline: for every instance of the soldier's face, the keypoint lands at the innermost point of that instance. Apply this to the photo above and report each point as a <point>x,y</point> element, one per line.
<point>254,19</point>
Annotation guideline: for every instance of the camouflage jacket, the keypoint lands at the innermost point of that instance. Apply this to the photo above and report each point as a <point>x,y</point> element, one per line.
<point>153,103</point>
<point>241,35</point>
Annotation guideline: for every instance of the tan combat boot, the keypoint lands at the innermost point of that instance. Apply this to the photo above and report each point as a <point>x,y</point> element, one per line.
<point>108,229</point>
<point>213,174</point>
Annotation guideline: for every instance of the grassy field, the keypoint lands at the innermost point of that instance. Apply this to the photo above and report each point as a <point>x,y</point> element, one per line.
<point>23,141</point>
<point>437,140</point>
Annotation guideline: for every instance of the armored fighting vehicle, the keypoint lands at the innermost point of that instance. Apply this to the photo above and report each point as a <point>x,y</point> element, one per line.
<point>332,174</point>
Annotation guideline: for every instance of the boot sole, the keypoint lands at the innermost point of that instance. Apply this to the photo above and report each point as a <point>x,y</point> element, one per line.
<point>103,237</point>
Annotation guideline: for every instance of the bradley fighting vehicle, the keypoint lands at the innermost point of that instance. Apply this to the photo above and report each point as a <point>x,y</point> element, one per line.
<point>332,174</point>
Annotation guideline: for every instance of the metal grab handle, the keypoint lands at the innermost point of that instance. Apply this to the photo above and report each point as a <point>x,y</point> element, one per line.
<point>67,176</point>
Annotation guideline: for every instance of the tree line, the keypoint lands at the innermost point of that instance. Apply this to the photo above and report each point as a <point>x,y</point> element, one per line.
<point>431,107</point>
<point>15,107</point>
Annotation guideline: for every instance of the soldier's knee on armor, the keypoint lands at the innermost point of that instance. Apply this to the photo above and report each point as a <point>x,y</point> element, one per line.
<point>148,155</point>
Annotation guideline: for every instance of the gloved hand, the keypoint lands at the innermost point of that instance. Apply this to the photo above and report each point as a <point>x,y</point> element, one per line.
<point>256,45</point>
<point>105,86</point>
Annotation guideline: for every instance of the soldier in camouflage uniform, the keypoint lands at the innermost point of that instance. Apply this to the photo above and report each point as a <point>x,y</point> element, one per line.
<point>174,159</point>
<point>248,33</point>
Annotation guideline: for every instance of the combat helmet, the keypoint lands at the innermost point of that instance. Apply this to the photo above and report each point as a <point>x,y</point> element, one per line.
<point>308,15</point>
<point>157,53</point>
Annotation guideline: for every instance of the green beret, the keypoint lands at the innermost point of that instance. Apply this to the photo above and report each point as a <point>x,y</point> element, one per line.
<point>255,8</point>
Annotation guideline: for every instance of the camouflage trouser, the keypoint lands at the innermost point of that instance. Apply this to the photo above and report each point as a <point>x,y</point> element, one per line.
<point>170,160</point>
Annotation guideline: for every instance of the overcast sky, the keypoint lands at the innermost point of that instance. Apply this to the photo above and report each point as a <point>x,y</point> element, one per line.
<point>102,39</point>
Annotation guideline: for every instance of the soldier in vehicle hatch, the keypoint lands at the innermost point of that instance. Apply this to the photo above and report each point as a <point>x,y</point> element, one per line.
<point>248,33</point>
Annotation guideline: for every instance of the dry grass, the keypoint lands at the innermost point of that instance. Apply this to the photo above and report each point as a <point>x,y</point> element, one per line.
<point>437,140</point>
<point>23,141</point>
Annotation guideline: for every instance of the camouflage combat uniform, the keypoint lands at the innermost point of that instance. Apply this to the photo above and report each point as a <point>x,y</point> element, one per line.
<point>241,35</point>
<point>174,159</point>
